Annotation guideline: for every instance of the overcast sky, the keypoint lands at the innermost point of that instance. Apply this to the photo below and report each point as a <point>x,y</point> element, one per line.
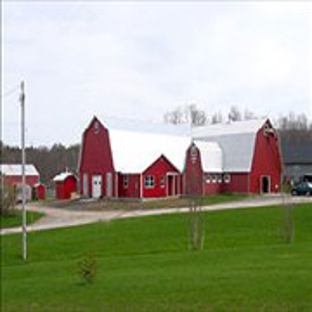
<point>138,60</point>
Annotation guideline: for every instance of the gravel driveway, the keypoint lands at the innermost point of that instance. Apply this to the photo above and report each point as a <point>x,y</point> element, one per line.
<point>57,218</point>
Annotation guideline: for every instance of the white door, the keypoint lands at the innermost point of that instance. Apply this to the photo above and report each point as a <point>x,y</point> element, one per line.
<point>109,184</point>
<point>96,186</point>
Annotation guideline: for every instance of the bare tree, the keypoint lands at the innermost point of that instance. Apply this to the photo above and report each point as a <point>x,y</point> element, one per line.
<point>234,114</point>
<point>190,114</point>
<point>217,118</point>
<point>248,115</point>
<point>197,229</point>
<point>174,117</point>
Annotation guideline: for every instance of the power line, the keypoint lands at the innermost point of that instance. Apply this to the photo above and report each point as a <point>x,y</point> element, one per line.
<point>5,94</point>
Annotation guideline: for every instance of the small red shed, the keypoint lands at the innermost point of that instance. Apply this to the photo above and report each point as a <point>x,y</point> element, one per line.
<point>39,191</point>
<point>65,185</point>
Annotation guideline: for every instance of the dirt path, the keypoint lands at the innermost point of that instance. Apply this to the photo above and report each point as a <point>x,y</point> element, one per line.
<point>58,218</point>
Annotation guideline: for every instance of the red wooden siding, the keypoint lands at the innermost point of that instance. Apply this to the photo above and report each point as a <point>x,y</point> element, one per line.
<point>133,188</point>
<point>64,189</point>
<point>239,183</point>
<point>96,156</point>
<point>162,168</point>
<point>266,162</point>
<point>39,191</point>
<point>193,173</point>
<point>212,183</point>
<point>13,180</point>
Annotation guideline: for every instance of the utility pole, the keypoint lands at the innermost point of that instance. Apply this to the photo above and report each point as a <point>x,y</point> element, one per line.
<point>22,100</point>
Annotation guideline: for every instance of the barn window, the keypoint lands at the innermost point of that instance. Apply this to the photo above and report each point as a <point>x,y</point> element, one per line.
<point>267,130</point>
<point>162,181</point>
<point>220,178</point>
<point>214,178</point>
<point>96,127</point>
<point>208,179</point>
<point>227,178</point>
<point>149,181</point>
<point>125,181</point>
<point>193,154</point>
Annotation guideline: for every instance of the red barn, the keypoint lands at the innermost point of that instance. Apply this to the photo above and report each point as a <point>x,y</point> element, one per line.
<point>119,163</point>
<point>251,161</point>
<point>65,185</point>
<point>241,157</point>
<point>12,174</point>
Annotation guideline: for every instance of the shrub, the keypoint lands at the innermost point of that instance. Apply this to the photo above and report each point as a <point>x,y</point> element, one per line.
<point>87,267</point>
<point>7,199</point>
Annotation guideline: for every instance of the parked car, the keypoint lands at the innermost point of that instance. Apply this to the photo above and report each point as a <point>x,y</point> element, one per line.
<point>303,188</point>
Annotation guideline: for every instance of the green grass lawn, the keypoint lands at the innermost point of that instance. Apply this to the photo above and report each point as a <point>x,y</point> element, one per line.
<point>15,218</point>
<point>144,265</point>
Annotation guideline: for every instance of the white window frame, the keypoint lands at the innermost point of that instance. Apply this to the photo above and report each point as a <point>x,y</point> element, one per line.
<point>219,178</point>
<point>214,178</point>
<point>227,178</point>
<point>149,181</point>
<point>162,181</point>
<point>208,179</point>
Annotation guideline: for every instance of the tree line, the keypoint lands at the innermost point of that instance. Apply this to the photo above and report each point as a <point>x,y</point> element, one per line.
<point>195,116</point>
<point>48,161</point>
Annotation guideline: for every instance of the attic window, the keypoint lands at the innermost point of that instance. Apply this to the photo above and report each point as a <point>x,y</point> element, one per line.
<point>193,154</point>
<point>267,130</point>
<point>96,127</point>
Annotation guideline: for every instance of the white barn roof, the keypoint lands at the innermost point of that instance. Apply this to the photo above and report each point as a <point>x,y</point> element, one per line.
<point>133,152</point>
<point>62,176</point>
<point>211,156</point>
<point>237,141</point>
<point>16,170</point>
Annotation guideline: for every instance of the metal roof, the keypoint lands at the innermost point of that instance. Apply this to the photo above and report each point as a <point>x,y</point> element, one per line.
<point>62,176</point>
<point>141,126</point>
<point>211,156</point>
<point>232,128</point>
<point>16,170</point>
<point>237,141</point>
<point>134,152</point>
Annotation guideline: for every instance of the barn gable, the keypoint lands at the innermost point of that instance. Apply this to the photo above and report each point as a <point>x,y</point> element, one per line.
<point>237,141</point>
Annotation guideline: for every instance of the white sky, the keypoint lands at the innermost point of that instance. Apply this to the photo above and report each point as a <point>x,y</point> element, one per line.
<point>138,60</point>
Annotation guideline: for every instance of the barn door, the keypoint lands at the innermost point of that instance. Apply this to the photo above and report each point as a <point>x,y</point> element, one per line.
<point>96,186</point>
<point>172,185</point>
<point>109,184</point>
<point>265,184</point>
